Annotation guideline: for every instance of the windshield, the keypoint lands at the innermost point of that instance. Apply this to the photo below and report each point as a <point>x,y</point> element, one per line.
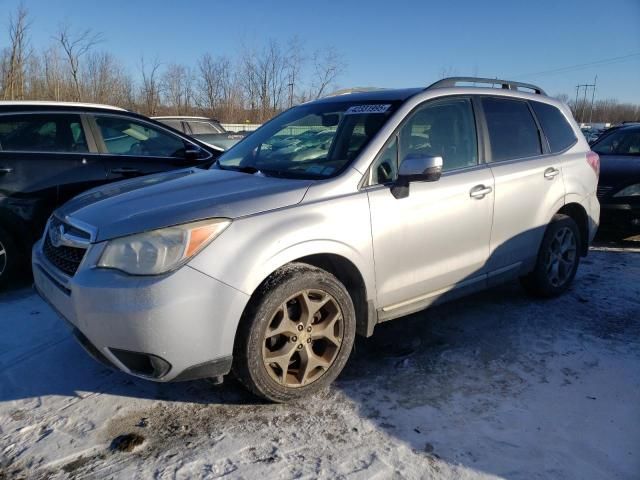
<point>313,141</point>
<point>623,142</point>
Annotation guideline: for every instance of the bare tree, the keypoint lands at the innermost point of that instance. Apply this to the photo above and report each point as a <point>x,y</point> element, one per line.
<point>15,61</point>
<point>328,64</point>
<point>177,86</point>
<point>76,46</point>
<point>214,79</point>
<point>150,88</point>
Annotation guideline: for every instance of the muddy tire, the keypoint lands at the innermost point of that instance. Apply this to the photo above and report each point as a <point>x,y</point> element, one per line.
<point>9,258</point>
<point>296,334</point>
<point>557,261</point>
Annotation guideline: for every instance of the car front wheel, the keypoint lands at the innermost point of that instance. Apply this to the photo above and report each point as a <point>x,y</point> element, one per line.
<point>296,335</point>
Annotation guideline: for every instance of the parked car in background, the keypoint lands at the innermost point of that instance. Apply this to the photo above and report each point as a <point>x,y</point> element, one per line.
<point>264,263</point>
<point>619,185</point>
<point>50,152</point>
<point>205,129</point>
<point>592,134</point>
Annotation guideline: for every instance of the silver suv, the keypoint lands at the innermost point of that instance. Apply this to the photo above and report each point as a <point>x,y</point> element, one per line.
<point>336,215</point>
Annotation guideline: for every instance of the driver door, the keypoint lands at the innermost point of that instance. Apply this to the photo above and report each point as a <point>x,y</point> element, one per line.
<point>434,242</point>
<point>133,147</point>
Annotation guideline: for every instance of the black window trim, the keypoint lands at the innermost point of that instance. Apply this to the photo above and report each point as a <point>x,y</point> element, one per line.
<point>480,141</point>
<point>544,147</point>
<point>92,146</point>
<point>102,149</point>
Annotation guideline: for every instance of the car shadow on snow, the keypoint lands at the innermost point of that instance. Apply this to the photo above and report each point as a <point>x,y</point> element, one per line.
<point>479,382</point>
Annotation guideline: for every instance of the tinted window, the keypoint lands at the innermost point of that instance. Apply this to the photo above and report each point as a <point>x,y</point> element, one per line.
<point>625,141</point>
<point>512,130</point>
<point>124,136</point>
<point>555,126</point>
<point>42,133</point>
<point>177,124</point>
<point>443,128</point>
<point>203,128</point>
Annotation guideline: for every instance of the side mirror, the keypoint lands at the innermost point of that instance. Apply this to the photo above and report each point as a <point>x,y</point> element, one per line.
<point>416,168</point>
<point>191,153</point>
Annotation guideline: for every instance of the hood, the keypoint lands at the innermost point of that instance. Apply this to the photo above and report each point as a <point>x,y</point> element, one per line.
<point>171,198</point>
<point>618,171</point>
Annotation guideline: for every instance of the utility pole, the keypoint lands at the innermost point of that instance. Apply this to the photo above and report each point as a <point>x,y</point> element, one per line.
<point>290,85</point>
<point>580,114</point>
<point>593,96</point>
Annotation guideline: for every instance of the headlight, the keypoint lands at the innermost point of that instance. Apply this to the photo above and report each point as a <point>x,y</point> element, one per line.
<point>630,191</point>
<point>159,251</point>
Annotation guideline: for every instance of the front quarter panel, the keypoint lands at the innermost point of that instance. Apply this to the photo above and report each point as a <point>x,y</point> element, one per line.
<point>253,247</point>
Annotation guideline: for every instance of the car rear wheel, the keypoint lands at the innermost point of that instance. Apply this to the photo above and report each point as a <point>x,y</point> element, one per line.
<point>8,258</point>
<point>558,259</point>
<point>296,335</point>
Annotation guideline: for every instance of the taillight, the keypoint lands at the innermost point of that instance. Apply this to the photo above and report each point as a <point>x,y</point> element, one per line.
<point>593,159</point>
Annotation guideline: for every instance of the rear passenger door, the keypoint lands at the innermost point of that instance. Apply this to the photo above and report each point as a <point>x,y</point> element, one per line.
<point>45,159</point>
<point>528,183</point>
<point>133,147</point>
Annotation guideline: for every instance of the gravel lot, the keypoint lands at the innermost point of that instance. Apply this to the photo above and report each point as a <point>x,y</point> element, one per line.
<point>495,385</point>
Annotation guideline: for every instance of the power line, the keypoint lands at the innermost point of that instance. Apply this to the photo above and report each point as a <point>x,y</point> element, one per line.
<point>580,66</point>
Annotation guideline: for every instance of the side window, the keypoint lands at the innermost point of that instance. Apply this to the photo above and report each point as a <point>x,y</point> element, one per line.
<point>125,136</point>
<point>59,133</point>
<point>444,128</point>
<point>177,124</point>
<point>513,132</point>
<point>203,128</point>
<point>385,166</point>
<point>555,126</point>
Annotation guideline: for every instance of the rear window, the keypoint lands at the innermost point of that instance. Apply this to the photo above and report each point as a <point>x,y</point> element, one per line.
<point>513,132</point>
<point>625,141</point>
<point>555,126</point>
<point>200,128</point>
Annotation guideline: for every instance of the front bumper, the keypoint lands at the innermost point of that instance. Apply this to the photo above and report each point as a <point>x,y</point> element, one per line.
<point>178,326</point>
<point>620,216</point>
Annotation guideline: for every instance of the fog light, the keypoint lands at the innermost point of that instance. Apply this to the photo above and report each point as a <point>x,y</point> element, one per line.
<point>143,364</point>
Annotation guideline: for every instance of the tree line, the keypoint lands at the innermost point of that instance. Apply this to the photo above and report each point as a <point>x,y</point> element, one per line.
<point>606,110</point>
<point>252,86</point>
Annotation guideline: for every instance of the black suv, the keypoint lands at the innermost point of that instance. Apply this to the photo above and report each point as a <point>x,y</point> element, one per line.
<point>50,152</point>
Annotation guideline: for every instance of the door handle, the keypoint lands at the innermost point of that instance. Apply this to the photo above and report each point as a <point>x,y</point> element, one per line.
<point>550,173</point>
<point>4,171</point>
<point>479,191</point>
<point>126,171</point>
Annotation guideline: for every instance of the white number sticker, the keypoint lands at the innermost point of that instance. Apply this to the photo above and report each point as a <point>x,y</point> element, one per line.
<point>360,109</point>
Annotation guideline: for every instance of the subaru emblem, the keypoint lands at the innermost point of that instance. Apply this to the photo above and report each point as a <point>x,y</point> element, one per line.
<point>55,235</point>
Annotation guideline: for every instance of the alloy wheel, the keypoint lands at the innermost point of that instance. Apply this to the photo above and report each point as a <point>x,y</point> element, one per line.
<point>303,338</point>
<point>561,257</point>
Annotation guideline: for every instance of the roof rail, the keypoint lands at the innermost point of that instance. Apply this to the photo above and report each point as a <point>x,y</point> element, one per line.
<point>506,84</point>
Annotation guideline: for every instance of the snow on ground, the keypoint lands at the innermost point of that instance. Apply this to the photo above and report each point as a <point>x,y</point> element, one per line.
<point>495,385</point>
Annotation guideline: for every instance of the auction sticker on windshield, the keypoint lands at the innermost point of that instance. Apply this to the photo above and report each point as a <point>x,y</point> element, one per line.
<point>359,109</point>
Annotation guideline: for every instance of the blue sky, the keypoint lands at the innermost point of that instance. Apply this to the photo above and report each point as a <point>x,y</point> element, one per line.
<point>385,43</point>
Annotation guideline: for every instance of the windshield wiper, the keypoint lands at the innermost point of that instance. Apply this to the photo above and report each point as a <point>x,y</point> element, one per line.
<point>247,169</point>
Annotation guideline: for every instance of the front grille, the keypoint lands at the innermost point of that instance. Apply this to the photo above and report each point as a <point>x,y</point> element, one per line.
<point>65,258</point>
<point>603,191</point>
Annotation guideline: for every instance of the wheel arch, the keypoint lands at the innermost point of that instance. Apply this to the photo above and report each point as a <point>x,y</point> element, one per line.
<point>347,272</point>
<point>349,275</point>
<point>579,215</point>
